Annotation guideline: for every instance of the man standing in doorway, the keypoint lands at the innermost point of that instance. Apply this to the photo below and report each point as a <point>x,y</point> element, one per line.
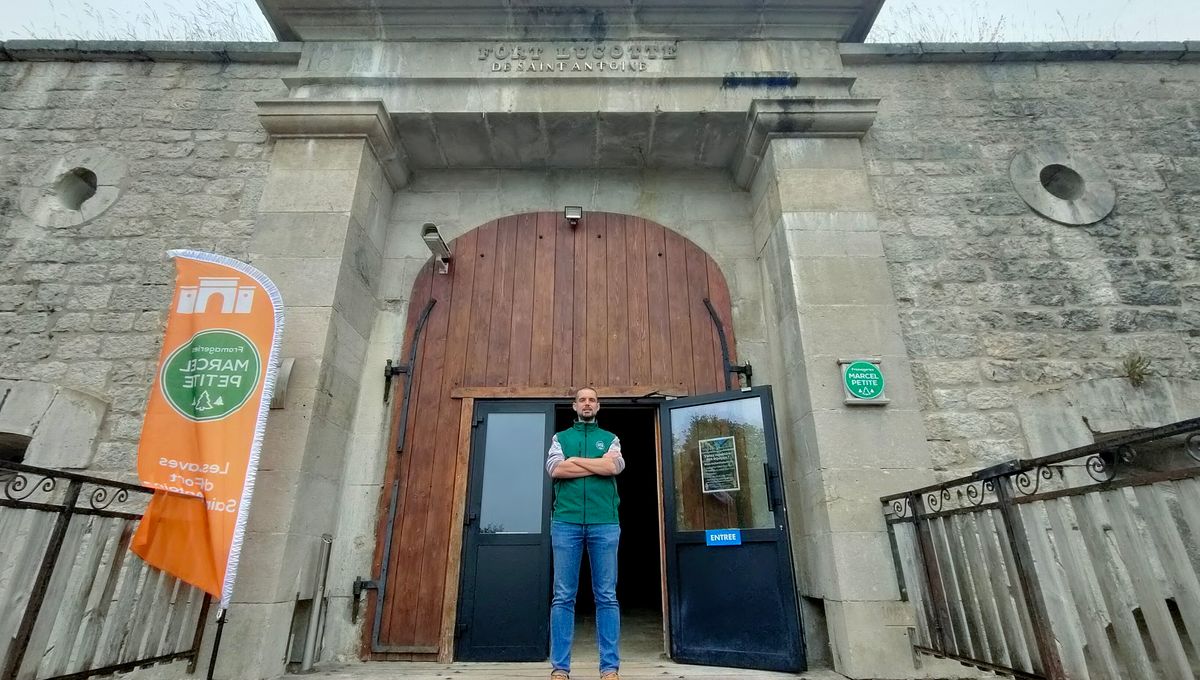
<point>584,461</point>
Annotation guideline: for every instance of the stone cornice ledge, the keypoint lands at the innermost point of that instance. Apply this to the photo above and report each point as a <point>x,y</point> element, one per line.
<point>151,50</point>
<point>883,53</point>
<point>803,117</point>
<point>304,118</point>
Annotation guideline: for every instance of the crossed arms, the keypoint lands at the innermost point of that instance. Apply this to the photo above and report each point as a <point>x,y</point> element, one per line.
<point>571,468</point>
<point>559,467</point>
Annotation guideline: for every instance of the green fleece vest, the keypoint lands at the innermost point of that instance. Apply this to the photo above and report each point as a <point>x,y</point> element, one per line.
<point>592,499</point>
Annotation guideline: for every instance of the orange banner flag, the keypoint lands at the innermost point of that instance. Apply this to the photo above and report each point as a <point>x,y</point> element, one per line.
<point>205,419</point>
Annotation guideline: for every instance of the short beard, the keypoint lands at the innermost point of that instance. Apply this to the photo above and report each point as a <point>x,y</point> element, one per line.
<point>581,419</point>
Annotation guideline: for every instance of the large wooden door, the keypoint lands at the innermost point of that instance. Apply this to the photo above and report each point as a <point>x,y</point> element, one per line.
<point>530,305</point>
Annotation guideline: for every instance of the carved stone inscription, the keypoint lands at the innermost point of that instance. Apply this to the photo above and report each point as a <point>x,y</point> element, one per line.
<point>627,57</point>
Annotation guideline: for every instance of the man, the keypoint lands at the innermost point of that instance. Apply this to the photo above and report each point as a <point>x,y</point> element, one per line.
<point>584,461</point>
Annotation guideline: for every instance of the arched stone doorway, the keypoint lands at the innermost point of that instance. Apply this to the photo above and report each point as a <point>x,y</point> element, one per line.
<point>531,306</point>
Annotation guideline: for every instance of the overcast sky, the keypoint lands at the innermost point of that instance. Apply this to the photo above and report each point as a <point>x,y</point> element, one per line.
<point>901,20</point>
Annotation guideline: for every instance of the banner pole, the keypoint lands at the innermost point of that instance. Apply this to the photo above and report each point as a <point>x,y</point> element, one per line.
<point>212,662</point>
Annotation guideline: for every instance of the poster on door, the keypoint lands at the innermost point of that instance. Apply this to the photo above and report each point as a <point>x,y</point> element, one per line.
<point>718,465</point>
<point>205,419</point>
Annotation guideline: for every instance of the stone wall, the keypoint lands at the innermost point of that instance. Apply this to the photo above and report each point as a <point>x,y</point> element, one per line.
<point>998,303</point>
<point>182,152</point>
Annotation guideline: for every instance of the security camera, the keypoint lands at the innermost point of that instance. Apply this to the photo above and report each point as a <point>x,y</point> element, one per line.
<point>441,253</point>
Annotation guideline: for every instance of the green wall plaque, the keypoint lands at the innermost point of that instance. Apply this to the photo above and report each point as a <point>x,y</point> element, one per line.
<point>863,381</point>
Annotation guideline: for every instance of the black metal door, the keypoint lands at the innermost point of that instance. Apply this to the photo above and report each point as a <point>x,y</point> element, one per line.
<point>504,606</point>
<point>732,603</point>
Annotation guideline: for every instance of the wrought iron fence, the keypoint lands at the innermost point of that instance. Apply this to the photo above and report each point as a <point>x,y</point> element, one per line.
<point>1078,565</point>
<point>74,601</point>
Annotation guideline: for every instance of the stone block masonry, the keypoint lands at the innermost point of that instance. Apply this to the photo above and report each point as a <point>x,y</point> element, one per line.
<point>998,303</point>
<point>911,245</point>
<point>81,306</point>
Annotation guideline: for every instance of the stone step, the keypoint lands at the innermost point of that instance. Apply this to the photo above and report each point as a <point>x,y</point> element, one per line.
<point>636,670</point>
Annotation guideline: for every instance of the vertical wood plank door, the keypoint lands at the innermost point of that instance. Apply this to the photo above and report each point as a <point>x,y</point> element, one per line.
<point>616,301</point>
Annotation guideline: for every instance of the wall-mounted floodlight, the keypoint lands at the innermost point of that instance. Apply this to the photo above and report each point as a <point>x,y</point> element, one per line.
<point>432,239</point>
<point>573,213</point>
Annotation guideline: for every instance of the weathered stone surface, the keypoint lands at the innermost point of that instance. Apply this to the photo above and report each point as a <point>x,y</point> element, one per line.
<point>25,403</point>
<point>85,302</point>
<point>997,307</point>
<point>67,433</point>
<point>997,302</point>
<point>1067,416</point>
<point>62,424</point>
<point>870,640</point>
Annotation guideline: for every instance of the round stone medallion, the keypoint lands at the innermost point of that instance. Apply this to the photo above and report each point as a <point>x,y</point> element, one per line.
<point>74,188</point>
<point>1062,185</point>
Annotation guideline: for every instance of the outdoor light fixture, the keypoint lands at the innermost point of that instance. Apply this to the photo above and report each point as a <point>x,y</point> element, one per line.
<point>433,240</point>
<point>573,213</point>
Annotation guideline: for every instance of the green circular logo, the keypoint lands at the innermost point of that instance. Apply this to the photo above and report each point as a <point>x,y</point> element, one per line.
<point>211,375</point>
<point>864,380</point>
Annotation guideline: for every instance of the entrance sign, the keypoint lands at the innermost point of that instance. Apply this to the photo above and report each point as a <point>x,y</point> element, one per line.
<point>863,381</point>
<point>205,418</point>
<point>723,537</point>
<point>629,57</point>
<point>718,464</point>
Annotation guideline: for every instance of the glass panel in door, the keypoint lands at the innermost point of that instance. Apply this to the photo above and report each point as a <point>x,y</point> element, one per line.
<point>513,473</point>
<point>719,451</point>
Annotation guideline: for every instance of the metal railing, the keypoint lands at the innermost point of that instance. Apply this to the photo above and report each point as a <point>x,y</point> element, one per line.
<point>1078,565</point>
<point>74,601</point>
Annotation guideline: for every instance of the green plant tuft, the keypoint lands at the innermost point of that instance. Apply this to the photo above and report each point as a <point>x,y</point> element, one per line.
<point>1137,368</point>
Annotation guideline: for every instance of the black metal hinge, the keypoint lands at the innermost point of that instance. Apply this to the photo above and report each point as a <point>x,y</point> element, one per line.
<point>745,369</point>
<point>360,584</point>
<point>390,371</point>
<point>408,369</point>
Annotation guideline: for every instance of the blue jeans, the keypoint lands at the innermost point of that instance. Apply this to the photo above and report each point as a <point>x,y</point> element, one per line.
<point>569,541</point>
